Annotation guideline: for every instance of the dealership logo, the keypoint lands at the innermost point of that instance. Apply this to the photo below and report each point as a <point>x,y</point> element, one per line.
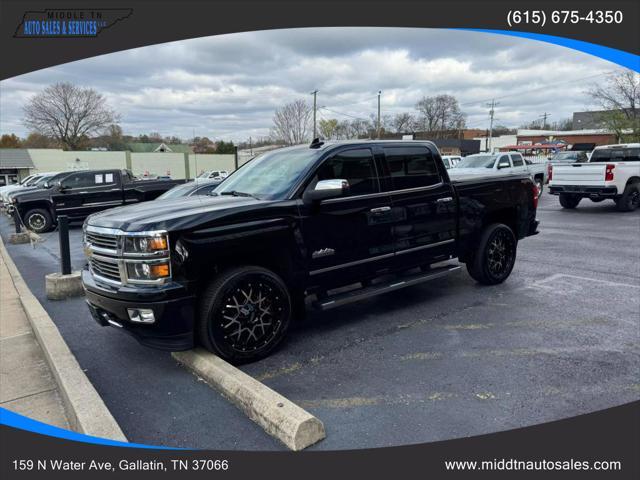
<point>69,23</point>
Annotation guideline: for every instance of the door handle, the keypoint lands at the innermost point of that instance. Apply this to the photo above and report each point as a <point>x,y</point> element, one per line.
<point>83,193</point>
<point>380,210</point>
<point>444,200</point>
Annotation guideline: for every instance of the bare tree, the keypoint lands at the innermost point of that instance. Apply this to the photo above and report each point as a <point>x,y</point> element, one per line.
<point>620,97</point>
<point>359,128</point>
<point>68,114</point>
<point>403,122</point>
<point>291,123</point>
<point>440,113</point>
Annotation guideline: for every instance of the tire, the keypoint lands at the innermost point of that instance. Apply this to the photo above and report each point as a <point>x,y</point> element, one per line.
<point>38,220</point>
<point>568,200</point>
<point>229,321</point>
<point>630,198</point>
<point>492,264</point>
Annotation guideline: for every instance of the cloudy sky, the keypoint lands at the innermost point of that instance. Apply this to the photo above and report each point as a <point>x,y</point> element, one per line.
<point>227,87</point>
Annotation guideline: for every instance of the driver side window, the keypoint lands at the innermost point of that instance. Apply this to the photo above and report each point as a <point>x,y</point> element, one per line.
<point>355,166</point>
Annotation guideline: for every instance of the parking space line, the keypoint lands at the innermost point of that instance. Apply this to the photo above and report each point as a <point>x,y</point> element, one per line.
<point>474,395</point>
<point>557,276</point>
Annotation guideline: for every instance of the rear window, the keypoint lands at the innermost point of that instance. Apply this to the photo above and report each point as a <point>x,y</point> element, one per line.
<point>615,155</point>
<point>411,167</point>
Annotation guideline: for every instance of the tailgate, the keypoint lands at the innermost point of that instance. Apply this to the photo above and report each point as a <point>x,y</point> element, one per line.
<point>578,174</point>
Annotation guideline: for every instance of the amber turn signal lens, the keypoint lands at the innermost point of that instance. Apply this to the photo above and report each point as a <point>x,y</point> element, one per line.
<point>158,243</point>
<point>160,270</point>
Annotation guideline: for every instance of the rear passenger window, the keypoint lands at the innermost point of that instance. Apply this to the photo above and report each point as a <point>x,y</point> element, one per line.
<point>411,167</point>
<point>517,160</point>
<point>355,166</point>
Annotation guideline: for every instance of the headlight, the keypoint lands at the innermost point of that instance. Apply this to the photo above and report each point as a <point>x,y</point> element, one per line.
<point>152,244</point>
<point>147,271</point>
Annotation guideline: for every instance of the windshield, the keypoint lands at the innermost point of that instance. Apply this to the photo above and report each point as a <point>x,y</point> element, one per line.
<point>204,175</point>
<point>59,176</point>
<point>564,157</point>
<point>32,181</point>
<point>477,161</point>
<point>270,176</point>
<point>178,191</point>
<point>42,180</point>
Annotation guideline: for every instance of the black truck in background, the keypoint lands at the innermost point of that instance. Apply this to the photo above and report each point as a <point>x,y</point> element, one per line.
<point>80,193</point>
<point>231,270</point>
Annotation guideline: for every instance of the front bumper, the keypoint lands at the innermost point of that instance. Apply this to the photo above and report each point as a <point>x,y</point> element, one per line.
<point>172,305</point>
<point>585,191</point>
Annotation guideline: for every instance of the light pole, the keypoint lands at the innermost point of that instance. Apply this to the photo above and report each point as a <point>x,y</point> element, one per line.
<point>379,93</point>
<point>315,95</point>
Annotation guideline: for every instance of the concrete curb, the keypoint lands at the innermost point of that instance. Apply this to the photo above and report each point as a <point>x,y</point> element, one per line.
<point>86,411</point>
<point>279,417</point>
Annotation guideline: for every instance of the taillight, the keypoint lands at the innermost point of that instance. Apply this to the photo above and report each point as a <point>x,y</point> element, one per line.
<point>549,172</point>
<point>608,173</point>
<point>536,194</point>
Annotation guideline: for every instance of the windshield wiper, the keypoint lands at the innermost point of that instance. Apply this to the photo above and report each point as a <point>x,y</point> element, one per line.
<point>236,193</point>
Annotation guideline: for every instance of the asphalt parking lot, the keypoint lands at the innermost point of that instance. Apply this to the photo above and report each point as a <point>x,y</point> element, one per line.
<point>437,361</point>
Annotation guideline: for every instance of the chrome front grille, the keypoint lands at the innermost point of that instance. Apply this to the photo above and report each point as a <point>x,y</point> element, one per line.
<point>105,267</point>
<point>102,241</point>
<point>108,259</point>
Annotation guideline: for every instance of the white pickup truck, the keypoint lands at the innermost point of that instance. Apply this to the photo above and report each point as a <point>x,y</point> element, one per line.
<point>500,164</point>
<point>613,172</point>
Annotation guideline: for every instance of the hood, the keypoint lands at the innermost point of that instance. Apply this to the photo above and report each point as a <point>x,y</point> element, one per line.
<point>485,172</point>
<point>10,188</point>
<point>31,193</point>
<point>173,213</point>
<point>15,191</point>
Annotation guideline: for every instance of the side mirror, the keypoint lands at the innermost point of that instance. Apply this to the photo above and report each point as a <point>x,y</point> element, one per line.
<point>326,189</point>
<point>503,164</point>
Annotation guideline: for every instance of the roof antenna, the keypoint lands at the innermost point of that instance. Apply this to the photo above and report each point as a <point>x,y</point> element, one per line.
<point>316,143</point>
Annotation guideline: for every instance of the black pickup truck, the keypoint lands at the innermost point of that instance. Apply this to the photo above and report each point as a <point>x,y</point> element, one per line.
<point>80,193</point>
<point>230,270</point>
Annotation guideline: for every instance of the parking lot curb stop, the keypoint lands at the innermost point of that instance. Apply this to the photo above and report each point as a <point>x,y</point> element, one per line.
<point>18,238</point>
<point>277,415</point>
<point>59,286</point>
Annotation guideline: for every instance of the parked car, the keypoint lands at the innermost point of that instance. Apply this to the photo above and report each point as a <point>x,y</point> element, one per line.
<point>613,172</point>
<point>81,193</point>
<point>189,189</point>
<point>27,182</point>
<point>502,164</point>
<point>214,174</point>
<point>450,161</point>
<point>569,156</point>
<point>230,270</point>
<point>42,179</point>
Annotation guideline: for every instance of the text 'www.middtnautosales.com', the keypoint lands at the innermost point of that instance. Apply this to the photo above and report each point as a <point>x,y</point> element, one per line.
<point>533,465</point>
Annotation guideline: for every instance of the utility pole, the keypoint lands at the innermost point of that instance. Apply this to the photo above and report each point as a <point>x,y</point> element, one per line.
<point>250,147</point>
<point>544,117</point>
<point>492,106</point>
<point>379,93</point>
<point>315,95</point>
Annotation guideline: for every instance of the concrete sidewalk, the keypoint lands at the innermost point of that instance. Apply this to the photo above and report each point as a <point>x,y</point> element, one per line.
<point>27,385</point>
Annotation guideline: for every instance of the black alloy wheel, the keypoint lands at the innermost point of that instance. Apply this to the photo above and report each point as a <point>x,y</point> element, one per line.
<point>245,314</point>
<point>495,255</point>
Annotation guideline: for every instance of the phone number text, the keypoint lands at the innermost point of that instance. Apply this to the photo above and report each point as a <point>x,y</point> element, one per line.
<point>541,17</point>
